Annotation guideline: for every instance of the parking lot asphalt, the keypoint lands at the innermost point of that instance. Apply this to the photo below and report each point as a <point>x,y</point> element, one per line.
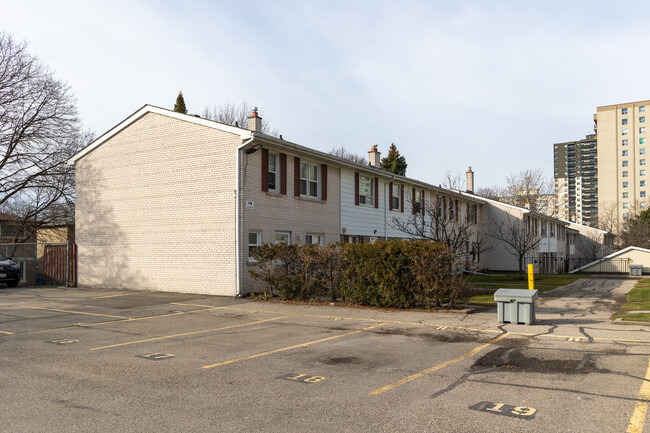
<point>107,360</point>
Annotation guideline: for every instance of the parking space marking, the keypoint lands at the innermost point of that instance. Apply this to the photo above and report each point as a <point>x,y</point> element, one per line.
<point>301,378</point>
<point>165,337</point>
<point>6,333</point>
<point>309,343</point>
<point>641,408</point>
<point>430,325</point>
<point>119,294</point>
<point>437,367</point>
<point>77,312</point>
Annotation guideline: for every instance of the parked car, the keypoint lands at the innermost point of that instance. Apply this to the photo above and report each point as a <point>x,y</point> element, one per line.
<point>9,271</point>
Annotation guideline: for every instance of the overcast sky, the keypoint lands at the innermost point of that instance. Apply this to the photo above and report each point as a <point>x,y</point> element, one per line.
<point>487,84</point>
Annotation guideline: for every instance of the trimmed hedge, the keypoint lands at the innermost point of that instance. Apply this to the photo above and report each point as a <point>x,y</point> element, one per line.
<point>383,274</point>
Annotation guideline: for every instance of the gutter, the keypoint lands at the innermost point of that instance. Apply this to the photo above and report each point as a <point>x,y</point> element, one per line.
<point>238,214</point>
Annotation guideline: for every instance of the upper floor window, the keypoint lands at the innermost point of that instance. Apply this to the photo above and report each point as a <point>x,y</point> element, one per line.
<point>641,172</point>
<point>624,153</point>
<point>623,110</point>
<point>624,142</point>
<point>309,179</point>
<point>366,190</point>
<point>642,109</point>
<point>625,184</point>
<point>624,174</point>
<point>417,201</point>
<point>642,130</point>
<point>471,213</point>
<point>642,183</point>
<point>397,194</point>
<point>623,121</point>
<point>274,168</point>
<point>625,163</point>
<point>642,119</point>
<point>642,151</point>
<point>642,140</point>
<point>624,131</point>
<point>642,162</point>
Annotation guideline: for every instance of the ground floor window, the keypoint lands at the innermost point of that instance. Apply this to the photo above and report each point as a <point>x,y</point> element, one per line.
<point>282,238</point>
<point>315,239</point>
<point>254,241</point>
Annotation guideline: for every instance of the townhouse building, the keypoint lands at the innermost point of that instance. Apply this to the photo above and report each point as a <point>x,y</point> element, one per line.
<point>174,202</point>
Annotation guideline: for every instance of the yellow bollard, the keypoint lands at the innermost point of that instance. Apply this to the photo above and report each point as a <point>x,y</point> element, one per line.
<point>531,278</point>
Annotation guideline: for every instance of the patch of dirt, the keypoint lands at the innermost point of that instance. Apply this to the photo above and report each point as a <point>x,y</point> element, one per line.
<point>514,360</point>
<point>442,336</point>
<point>341,360</point>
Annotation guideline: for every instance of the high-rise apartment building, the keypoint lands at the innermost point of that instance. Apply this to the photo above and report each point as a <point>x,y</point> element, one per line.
<point>576,188</point>
<point>622,169</point>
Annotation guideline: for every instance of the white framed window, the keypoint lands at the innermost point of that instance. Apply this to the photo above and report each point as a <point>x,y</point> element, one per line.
<point>642,183</point>
<point>623,110</point>
<point>472,215</point>
<point>274,172</point>
<point>625,163</point>
<point>624,174</point>
<point>282,238</point>
<point>642,162</point>
<point>626,205</point>
<point>417,206</point>
<point>624,153</point>
<point>623,121</point>
<point>315,239</point>
<point>397,192</point>
<point>624,131</point>
<point>642,109</point>
<point>642,151</point>
<point>624,184</point>
<point>366,190</point>
<point>642,194</point>
<point>641,172</point>
<point>624,142</point>
<point>254,241</point>
<point>642,119</point>
<point>642,130</point>
<point>441,207</point>
<point>309,179</point>
<point>626,194</point>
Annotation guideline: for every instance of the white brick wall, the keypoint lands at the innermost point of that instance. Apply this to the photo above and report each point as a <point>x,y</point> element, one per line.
<point>155,209</point>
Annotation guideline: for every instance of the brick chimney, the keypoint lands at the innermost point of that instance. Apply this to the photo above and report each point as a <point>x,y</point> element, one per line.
<point>374,156</point>
<point>469,181</point>
<point>255,121</point>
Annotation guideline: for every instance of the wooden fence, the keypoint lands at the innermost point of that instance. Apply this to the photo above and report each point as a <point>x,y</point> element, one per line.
<point>54,264</point>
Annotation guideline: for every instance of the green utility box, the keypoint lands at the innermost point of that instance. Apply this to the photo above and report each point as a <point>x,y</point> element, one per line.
<point>636,270</point>
<point>516,305</point>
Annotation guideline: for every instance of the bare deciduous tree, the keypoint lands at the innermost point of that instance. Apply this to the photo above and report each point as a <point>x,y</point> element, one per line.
<point>39,132</point>
<point>236,115</point>
<point>341,152</point>
<point>513,232</point>
<point>529,188</point>
<point>494,192</point>
<point>453,181</point>
<point>462,231</point>
<point>591,246</point>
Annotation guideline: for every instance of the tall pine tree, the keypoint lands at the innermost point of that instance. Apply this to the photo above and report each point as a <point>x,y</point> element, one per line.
<point>179,106</point>
<point>394,162</point>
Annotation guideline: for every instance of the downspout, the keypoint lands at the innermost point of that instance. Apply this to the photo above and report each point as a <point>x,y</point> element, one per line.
<point>385,209</point>
<point>238,215</point>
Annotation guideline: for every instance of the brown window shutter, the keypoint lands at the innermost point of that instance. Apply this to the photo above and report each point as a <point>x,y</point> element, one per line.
<point>296,176</point>
<point>356,189</point>
<point>283,173</point>
<point>265,170</point>
<point>390,196</point>
<point>422,205</point>
<point>413,201</point>
<point>401,196</point>
<point>376,193</point>
<point>323,190</point>
<point>467,212</point>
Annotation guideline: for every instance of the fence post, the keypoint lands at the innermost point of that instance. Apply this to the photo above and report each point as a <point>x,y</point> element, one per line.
<point>67,264</point>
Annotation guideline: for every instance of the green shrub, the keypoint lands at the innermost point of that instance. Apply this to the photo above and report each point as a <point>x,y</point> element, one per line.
<point>383,274</point>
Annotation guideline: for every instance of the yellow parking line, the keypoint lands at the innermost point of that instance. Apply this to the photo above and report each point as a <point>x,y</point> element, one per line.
<point>309,343</point>
<point>433,325</point>
<point>77,312</point>
<point>189,333</point>
<point>6,333</point>
<point>436,367</point>
<point>119,294</point>
<point>641,407</point>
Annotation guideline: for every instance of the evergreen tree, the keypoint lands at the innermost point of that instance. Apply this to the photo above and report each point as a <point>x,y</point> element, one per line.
<point>179,106</point>
<point>394,162</point>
